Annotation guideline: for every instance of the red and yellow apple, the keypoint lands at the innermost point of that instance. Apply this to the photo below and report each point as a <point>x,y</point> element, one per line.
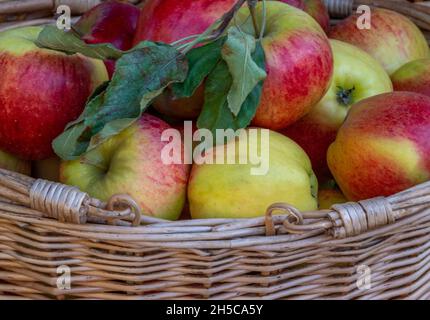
<point>131,163</point>
<point>299,63</point>
<point>393,39</point>
<point>232,190</point>
<point>383,146</point>
<point>315,8</point>
<point>40,92</point>
<point>413,76</point>
<point>9,162</point>
<point>109,22</point>
<point>356,76</point>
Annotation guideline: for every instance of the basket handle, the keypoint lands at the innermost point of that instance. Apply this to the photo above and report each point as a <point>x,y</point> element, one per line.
<point>66,203</point>
<point>343,220</point>
<point>351,218</point>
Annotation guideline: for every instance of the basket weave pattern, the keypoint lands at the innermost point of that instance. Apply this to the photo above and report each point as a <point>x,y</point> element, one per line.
<point>282,256</point>
<point>46,228</point>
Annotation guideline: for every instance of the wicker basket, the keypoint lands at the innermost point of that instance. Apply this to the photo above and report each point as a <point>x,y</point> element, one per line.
<point>374,249</point>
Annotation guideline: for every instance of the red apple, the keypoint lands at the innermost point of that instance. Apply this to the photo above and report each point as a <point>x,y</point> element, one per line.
<point>356,76</point>
<point>413,76</point>
<point>40,92</point>
<point>171,20</point>
<point>383,147</point>
<point>393,39</point>
<point>132,163</point>
<point>315,8</point>
<point>109,22</point>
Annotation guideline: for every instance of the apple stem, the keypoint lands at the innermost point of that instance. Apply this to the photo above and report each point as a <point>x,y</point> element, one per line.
<point>251,6</point>
<point>344,96</point>
<point>263,23</point>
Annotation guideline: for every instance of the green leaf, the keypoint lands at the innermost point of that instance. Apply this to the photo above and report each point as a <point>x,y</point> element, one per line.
<point>216,113</point>
<point>140,76</point>
<point>237,52</point>
<point>201,61</point>
<point>69,42</point>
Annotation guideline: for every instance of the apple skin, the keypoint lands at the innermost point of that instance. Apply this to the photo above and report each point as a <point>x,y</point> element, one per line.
<point>9,162</point>
<point>131,163</point>
<point>315,8</point>
<point>353,68</point>
<point>327,197</point>
<point>318,10</point>
<point>231,191</point>
<point>393,39</point>
<point>383,146</point>
<point>299,63</point>
<point>40,92</point>
<point>171,20</point>
<point>109,22</point>
<point>413,76</point>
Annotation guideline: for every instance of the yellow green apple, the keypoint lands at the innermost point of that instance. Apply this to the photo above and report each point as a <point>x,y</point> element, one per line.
<point>233,190</point>
<point>356,76</point>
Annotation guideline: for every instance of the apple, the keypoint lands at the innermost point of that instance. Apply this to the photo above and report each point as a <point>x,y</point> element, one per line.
<point>328,196</point>
<point>299,63</point>
<point>413,76</point>
<point>232,190</point>
<point>315,8</point>
<point>9,162</point>
<point>47,169</point>
<point>171,20</point>
<point>40,92</point>
<point>393,39</point>
<point>356,76</point>
<point>109,22</point>
<point>131,163</point>
<point>383,146</point>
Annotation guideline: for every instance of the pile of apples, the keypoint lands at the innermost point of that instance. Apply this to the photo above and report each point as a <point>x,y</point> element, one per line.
<point>342,104</point>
